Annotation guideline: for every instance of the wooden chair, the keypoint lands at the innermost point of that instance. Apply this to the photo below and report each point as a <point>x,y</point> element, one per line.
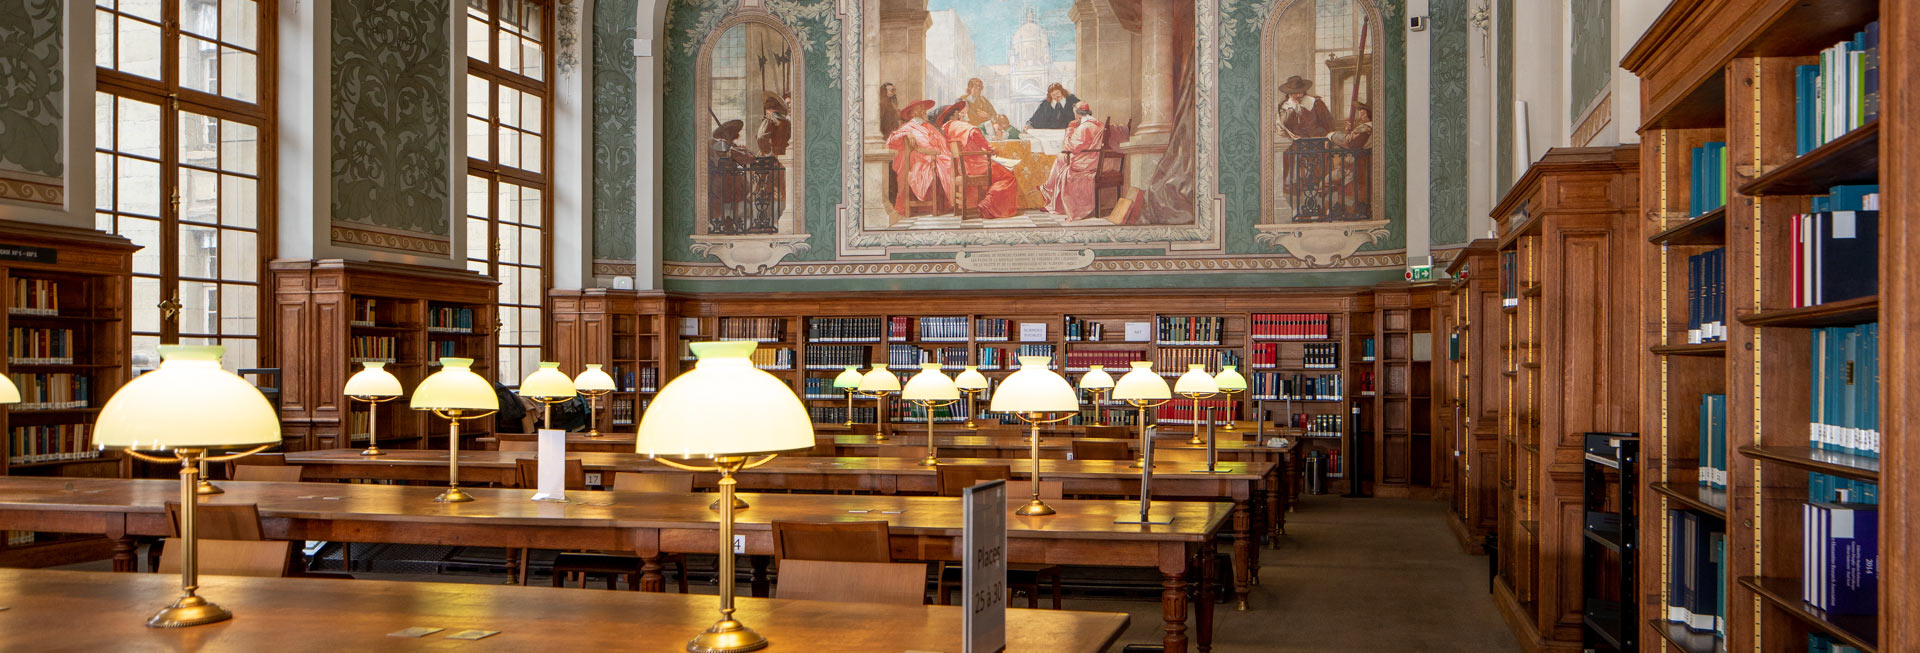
<point>1111,175</point>
<point>858,541</point>
<point>1101,450</point>
<point>279,473</point>
<point>969,181</point>
<point>616,565</point>
<point>258,558</point>
<point>931,203</point>
<point>892,583</point>
<point>653,482</point>
<point>273,459</point>
<point>954,479</point>
<point>519,445</point>
<point>527,473</point>
<point>1110,432</point>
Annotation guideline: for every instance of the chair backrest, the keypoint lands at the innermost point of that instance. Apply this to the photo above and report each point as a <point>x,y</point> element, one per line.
<point>269,459</point>
<point>264,558</point>
<point>529,473</point>
<point>955,478</point>
<point>1179,455</point>
<point>892,583</point>
<point>856,541</point>
<point>1110,432</point>
<point>519,445</point>
<point>653,482</point>
<point>1101,450</point>
<point>863,429</point>
<point>901,450</point>
<point>283,473</point>
<point>220,521</point>
<point>1017,490</point>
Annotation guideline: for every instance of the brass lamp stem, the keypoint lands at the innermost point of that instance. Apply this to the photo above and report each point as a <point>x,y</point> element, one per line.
<point>453,415</point>
<point>933,457</point>
<point>1229,425</point>
<point>970,410</point>
<point>1097,413</point>
<point>205,486</point>
<point>593,411</point>
<point>849,422</point>
<point>190,609</point>
<point>727,635</point>
<point>1036,507</point>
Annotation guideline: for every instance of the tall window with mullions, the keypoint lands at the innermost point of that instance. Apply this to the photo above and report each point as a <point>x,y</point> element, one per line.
<point>508,194</point>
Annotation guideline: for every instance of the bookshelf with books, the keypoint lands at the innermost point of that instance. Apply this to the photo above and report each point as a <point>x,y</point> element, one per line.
<point>334,314</point>
<point>625,332</point>
<point>1403,459</point>
<point>1568,363</point>
<point>1772,430</point>
<point>1469,387</point>
<point>66,293</point>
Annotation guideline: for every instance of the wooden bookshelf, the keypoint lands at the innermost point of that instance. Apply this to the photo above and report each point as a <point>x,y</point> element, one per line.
<point>626,333</point>
<point>1569,361</point>
<point>1752,51</point>
<point>1407,460</point>
<point>76,280</point>
<point>1470,387</point>
<point>317,304</point>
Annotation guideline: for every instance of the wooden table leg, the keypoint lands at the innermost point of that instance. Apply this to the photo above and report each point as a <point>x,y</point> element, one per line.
<point>651,580</point>
<point>759,583</point>
<point>1203,609</point>
<point>1242,551</point>
<point>1173,610</point>
<point>1277,507</point>
<point>123,560</point>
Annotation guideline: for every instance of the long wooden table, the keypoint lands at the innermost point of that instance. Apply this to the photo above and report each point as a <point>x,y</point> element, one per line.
<point>882,475</point>
<point>90,611</point>
<point>650,525</point>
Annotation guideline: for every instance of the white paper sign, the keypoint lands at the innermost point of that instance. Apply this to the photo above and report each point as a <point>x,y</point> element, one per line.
<point>1139,332</point>
<point>553,466</point>
<point>983,581</point>
<point>1033,332</point>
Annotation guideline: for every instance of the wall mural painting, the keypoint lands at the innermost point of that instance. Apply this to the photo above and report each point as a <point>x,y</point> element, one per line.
<point>749,181</point>
<point>1323,197</point>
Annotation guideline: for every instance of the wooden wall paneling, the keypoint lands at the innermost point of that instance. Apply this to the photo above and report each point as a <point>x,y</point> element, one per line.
<point>1899,350</point>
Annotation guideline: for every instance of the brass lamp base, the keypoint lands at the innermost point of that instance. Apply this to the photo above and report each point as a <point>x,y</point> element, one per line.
<point>373,451</point>
<point>929,461</point>
<point>1138,462</point>
<point>1196,439</point>
<point>453,495</point>
<point>205,488</point>
<point>189,611</point>
<point>737,504</point>
<point>725,636</point>
<point>1035,508</point>
<point>881,436</point>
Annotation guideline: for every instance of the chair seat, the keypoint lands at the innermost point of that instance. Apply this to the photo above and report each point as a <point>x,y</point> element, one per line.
<point>612,564</point>
<point>1020,575</point>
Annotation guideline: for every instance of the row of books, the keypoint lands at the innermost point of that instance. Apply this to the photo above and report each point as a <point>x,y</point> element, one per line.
<point>1836,253</point>
<point>1318,425</point>
<point>1079,330</point>
<point>1313,355</point>
<point>1295,387</point>
<point>1116,362</point>
<point>40,346</point>
<point>992,328</point>
<point>933,329</point>
<point>364,313</point>
<point>757,329</point>
<point>1366,350</point>
<point>1844,408</point>
<point>448,319</point>
<point>19,538</point>
<point>359,425</point>
<point>1290,326</point>
<point>833,357</point>
<point>373,348</point>
<point>1509,278</point>
<point>1840,557</point>
<point>831,414</point>
<point>443,348</point>
<point>1707,296</point>
<point>907,411</point>
<point>50,443</point>
<point>1707,187</point>
<point>906,359</point>
<point>625,411</point>
<point>1000,361</point>
<point>1713,441</point>
<point>1840,93</point>
<point>1174,362</point>
<point>845,329</point>
<point>1183,411</point>
<point>1696,558</point>
<point>59,391</point>
<point>1823,643</point>
<point>821,387</point>
<point>645,379</point>
<point>1190,330</point>
<point>35,297</point>
<point>772,359</point>
<point>1107,416</point>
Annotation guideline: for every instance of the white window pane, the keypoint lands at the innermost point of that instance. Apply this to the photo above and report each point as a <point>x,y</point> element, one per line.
<point>239,310</point>
<point>239,201</point>
<point>146,234</point>
<point>199,196</point>
<point>103,167</point>
<point>239,75</point>
<point>146,353</point>
<point>478,146</point>
<point>137,125</point>
<point>477,244</point>
<point>199,252</point>
<point>201,17</point>
<point>198,64</point>
<point>509,148</point>
<point>103,121</point>
<point>240,23</point>
<point>477,204</point>
<point>146,306</point>
<point>510,106</point>
<point>532,288</point>
<point>530,59</point>
<point>509,277</point>
<point>239,147</point>
<point>530,113</point>
<point>103,39</point>
<point>509,244</point>
<point>199,307</point>
<point>139,48</point>
<point>509,368</point>
<point>530,145</point>
<point>138,187</point>
<point>199,140</point>
<point>239,255</point>
<point>530,251</point>
<point>530,359</point>
<point>479,102</point>
<point>242,353</point>
<point>477,36</point>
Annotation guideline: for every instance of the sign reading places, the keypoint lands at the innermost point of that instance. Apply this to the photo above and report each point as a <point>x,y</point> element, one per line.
<point>27,254</point>
<point>983,581</point>
<point>1024,260</point>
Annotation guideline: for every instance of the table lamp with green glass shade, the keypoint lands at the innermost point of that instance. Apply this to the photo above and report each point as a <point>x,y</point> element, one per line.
<point>971,383</point>
<point>1099,382</point>
<point>594,383</point>
<point>849,381</point>
<point>455,393</point>
<point>1231,383</point>
<point>188,407</point>
<point>1143,389</point>
<point>1030,394</point>
<point>931,389</point>
<point>1196,384</point>
<point>549,386</point>
<point>878,383</point>
<point>737,418</point>
<point>372,385</point>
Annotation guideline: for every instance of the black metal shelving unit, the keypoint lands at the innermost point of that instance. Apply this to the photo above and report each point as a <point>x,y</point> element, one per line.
<point>1610,474</point>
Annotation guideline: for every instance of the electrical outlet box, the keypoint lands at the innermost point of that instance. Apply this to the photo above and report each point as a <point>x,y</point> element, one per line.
<point>739,544</point>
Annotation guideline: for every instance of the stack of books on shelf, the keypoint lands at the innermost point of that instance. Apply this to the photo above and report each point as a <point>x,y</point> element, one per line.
<point>364,313</point>
<point>1509,278</point>
<point>943,329</point>
<point>60,391</point>
<point>833,357</point>
<point>1115,361</point>
<point>829,414</point>
<point>1079,330</point>
<point>443,348</point>
<point>821,387</point>
<point>1840,557</point>
<point>647,379</point>
<point>1840,93</point>
<point>51,443</point>
<point>1320,356</point>
<point>1107,416</point>
<point>1707,188</point>
<point>952,358</point>
<point>1174,362</point>
<point>1318,426</point>
<point>1845,406</point>
<point>906,359</point>
<point>845,329</point>
<point>1181,411</point>
<point>447,319</point>
<point>1366,350</point>
<point>757,329</point>
<point>907,411</point>
<point>35,297</point>
<point>1279,386</point>
<point>373,348</point>
<point>1836,248</point>
<point>1697,554</point>
<point>690,326</point>
<point>1290,326</point>
<point>1363,383</point>
<point>1713,441</point>
<point>1036,350</point>
<point>990,329</point>
<point>773,359</point>
<point>626,412</point>
<point>1707,296</point>
<point>1190,330</point>
<point>31,346</point>
<point>994,358</point>
<point>358,423</point>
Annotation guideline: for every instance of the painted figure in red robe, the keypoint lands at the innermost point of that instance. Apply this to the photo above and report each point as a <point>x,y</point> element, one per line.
<point>921,161</point>
<point>1001,197</point>
<point>1068,190</point>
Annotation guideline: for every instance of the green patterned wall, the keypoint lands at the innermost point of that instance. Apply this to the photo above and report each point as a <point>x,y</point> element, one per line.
<point>32,86</point>
<point>614,164</point>
<point>1592,65</point>
<point>390,113</point>
<point>1503,99</point>
<point>1447,121</point>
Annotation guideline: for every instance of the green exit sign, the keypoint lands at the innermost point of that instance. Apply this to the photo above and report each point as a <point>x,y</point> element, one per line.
<point>1420,273</point>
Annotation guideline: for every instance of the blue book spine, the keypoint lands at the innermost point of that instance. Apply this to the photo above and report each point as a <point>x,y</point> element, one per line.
<point>1696,183</point>
<point>1720,441</point>
<point>1853,559</point>
<point>1851,197</point>
<point>1806,82</point>
<point>1695,271</point>
<point>1676,562</point>
<point>1871,111</point>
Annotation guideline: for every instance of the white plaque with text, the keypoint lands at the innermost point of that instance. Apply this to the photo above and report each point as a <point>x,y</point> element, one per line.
<point>1024,260</point>
<point>1033,332</point>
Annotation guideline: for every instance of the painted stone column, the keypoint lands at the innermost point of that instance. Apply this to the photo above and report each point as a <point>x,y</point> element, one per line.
<point>1156,74</point>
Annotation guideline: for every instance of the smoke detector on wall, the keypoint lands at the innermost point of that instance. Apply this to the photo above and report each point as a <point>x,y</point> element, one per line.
<point>1416,23</point>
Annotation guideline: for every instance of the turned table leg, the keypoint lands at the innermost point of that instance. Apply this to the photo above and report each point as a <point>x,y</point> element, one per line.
<point>123,559</point>
<point>1242,551</point>
<point>651,580</point>
<point>761,588</point>
<point>1173,605</point>
<point>1203,609</point>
